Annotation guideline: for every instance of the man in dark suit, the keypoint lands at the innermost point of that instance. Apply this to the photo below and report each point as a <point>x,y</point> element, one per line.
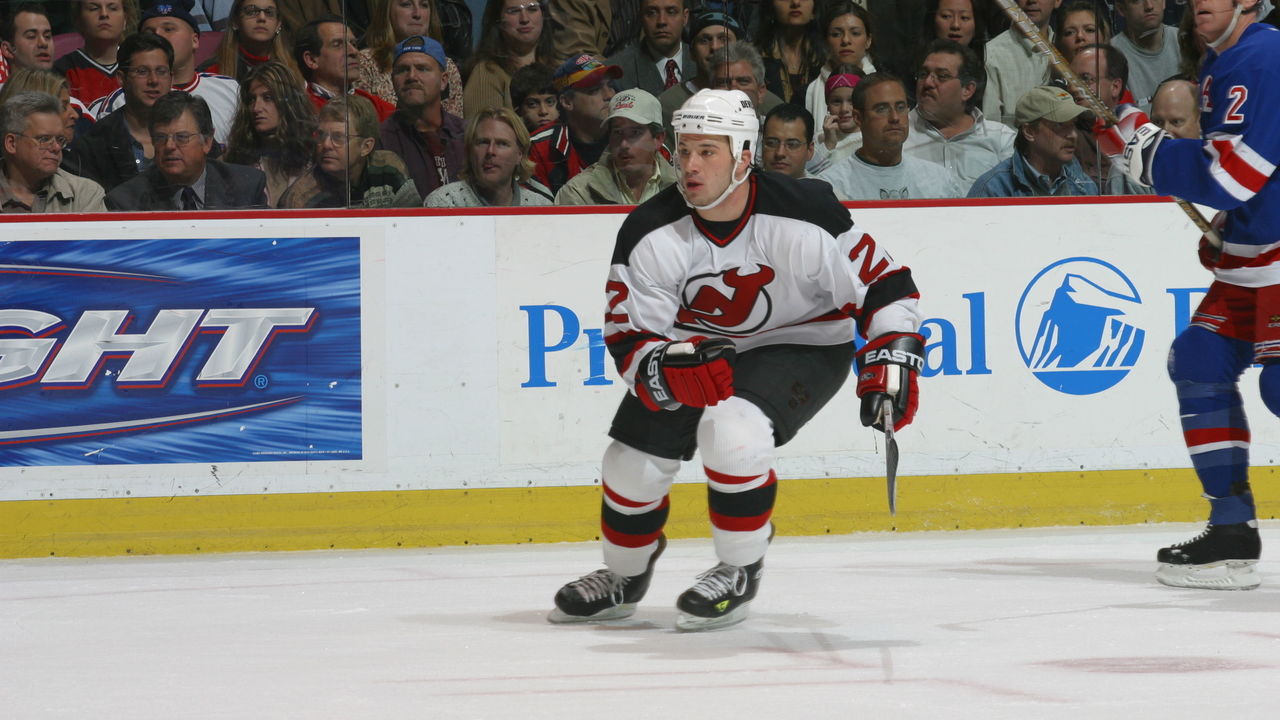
<point>658,59</point>
<point>183,177</point>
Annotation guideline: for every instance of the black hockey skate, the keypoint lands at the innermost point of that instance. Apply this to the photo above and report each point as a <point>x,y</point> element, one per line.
<point>604,594</point>
<point>720,597</point>
<point>1223,557</point>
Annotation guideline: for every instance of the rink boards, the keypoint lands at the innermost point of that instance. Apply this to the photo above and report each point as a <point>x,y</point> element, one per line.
<point>209,382</point>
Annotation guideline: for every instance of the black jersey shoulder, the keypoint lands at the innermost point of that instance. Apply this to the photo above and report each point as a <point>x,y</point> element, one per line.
<point>666,207</point>
<point>807,199</point>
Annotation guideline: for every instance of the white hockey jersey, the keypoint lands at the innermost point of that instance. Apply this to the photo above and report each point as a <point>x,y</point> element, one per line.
<point>793,270</point>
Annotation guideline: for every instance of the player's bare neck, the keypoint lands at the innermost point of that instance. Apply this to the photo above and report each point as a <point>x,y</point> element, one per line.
<point>732,207</point>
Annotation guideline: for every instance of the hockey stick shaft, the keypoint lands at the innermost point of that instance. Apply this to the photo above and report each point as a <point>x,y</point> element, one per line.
<point>1042,46</point>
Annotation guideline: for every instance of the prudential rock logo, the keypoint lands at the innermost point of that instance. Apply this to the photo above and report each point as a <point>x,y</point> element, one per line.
<point>1074,328</point>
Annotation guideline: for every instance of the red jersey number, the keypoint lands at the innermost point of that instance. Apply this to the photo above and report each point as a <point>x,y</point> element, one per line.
<point>619,293</point>
<point>866,248</point>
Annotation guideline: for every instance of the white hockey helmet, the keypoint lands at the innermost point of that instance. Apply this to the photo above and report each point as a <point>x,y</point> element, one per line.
<point>720,112</point>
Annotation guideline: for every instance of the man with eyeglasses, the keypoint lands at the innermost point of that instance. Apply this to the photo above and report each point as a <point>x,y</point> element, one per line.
<point>634,168</point>
<point>421,132</point>
<point>348,171</point>
<point>326,53</point>
<point>1106,71</point>
<point>564,149</point>
<point>31,180</point>
<point>878,170</point>
<point>172,20</point>
<point>118,146</point>
<point>183,176</point>
<point>788,140</point>
<point>947,126</point>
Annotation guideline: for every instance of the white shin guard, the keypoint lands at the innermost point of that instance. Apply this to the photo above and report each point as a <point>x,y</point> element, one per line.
<point>736,441</point>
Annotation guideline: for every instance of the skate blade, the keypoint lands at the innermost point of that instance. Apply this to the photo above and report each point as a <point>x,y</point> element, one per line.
<point>693,623</point>
<point>617,612</point>
<point>1228,575</point>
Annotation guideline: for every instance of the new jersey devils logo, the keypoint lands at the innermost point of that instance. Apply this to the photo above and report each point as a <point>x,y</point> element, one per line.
<point>729,302</point>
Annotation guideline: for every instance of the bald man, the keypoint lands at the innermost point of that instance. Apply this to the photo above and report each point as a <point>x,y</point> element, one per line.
<point>1175,108</point>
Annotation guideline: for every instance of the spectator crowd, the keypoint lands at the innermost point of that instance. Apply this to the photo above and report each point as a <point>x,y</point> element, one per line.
<point>216,104</point>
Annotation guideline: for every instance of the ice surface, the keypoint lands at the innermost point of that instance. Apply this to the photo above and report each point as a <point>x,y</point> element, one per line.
<point>1027,624</point>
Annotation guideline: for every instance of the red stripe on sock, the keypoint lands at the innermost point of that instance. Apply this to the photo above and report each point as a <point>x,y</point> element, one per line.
<point>625,502</point>
<point>726,479</point>
<point>740,524</point>
<point>626,540</point>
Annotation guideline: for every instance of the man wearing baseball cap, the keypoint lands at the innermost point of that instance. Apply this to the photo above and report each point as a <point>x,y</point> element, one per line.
<point>173,21</point>
<point>1044,158</point>
<point>709,31</point>
<point>633,168</point>
<point>563,150</point>
<point>429,139</point>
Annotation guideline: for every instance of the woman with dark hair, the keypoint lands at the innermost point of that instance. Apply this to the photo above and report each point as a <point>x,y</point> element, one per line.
<point>393,21</point>
<point>273,127</point>
<point>254,35</point>
<point>791,45</point>
<point>962,21</point>
<point>1077,24</point>
<point>515,33</point>
<point>91,70</point>
<point>849,41</point>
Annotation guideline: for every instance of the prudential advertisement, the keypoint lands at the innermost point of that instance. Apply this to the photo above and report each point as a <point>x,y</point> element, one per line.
<point>176,351</point>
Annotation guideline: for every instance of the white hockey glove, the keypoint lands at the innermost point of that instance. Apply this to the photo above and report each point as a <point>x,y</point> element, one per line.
<point>1139,152</point>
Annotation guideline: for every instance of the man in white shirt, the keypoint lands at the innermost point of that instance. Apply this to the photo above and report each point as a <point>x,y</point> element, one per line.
<point>1150,46</point>
<point>878,170</point>
<point>174,22</point>
<point>787,143</point>
<point>658,59</point>
<point>946,126</point>
<point>1013,65</point>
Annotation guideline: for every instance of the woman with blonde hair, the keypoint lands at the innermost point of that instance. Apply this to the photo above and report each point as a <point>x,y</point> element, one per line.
<point>255,35</point>
<point>273,127</point>
<point>498,171</point>
<point>393,21</point>
<point>91,70</point>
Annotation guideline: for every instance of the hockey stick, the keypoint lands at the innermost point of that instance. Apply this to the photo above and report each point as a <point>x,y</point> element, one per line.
<point>890,443</point>
<point>1042,46</point>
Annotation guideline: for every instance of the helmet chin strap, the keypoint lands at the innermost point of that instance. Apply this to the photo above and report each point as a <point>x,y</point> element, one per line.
<point>1231,28</point>
<point>733,184</point>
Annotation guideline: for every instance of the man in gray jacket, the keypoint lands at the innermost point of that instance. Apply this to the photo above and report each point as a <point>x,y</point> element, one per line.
<point>30,177</point>
<point>633,168</point>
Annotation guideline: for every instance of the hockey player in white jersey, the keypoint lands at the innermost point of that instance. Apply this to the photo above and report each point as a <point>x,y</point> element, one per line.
<point>731,306</point>
<point>1236,325</point>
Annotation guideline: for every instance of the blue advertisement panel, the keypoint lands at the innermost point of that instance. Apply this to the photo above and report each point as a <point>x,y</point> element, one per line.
<point>175,351</point>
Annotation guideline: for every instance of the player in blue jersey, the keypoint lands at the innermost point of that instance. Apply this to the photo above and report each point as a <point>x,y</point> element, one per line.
<point>1237,324</point>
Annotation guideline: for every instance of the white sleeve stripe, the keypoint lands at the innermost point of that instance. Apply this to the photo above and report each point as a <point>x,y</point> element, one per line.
<point>1248,251</point>
<point>1224,179</point>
